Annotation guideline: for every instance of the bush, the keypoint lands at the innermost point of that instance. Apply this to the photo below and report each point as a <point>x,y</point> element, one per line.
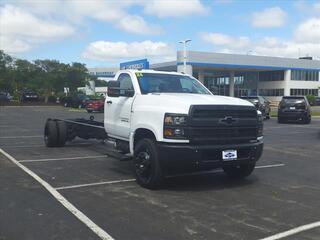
<point>311,99</point>
<point>52,99</point>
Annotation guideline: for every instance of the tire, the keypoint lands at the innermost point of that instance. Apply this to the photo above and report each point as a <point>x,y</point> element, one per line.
<point>240,171</point>
<point>307,120</point>
<point>280,120</point>
<point>62,133</point>
<point>146,163</point>
<point>268,116</point>
<point>51,134</point>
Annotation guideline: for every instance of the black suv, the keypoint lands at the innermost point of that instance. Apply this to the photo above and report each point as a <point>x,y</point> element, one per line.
<point>295,108</point>
<point>261,104</point>
<point>75,101</point>
<point>29,95</point>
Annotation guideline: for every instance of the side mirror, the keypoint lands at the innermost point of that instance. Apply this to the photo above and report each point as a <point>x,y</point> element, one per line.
<point>128,93</point>
<point>113,89</point>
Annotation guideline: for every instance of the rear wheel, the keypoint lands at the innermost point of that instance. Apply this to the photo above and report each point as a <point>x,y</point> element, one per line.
<point>147,165</point>
<point>239,171</point>
<point>280,120</point>
<point>268,115</point>
<point>51,134</point>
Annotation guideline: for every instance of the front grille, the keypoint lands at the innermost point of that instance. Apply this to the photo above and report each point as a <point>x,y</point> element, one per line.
<point>221,113</point>
<point>207,124</point>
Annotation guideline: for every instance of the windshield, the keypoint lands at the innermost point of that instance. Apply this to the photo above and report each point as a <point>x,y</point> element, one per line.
<point>169,83</point>
<point>293,101</point>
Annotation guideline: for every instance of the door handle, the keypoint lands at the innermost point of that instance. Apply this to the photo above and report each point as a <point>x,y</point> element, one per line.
<point>109,102</point>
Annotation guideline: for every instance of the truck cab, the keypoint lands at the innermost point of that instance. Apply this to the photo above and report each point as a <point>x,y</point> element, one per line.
<point>170,122</point>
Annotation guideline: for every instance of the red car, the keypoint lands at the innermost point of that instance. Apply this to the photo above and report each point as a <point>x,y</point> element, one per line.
<point>95,105</point>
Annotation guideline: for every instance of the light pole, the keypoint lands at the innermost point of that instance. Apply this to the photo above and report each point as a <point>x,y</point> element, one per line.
<point>184,42</point>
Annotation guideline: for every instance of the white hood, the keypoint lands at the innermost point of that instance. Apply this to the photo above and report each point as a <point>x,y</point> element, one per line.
<point>181,102</point>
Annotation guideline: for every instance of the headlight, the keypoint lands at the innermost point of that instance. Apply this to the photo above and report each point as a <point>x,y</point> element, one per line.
<point>260,124</point>
<point>172,119</point>
<point>175,126</point>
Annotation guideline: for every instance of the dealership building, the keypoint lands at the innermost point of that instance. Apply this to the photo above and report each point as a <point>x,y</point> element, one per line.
<point>242,75</point>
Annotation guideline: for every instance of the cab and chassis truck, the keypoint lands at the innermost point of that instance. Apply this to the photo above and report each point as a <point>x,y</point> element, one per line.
<point>170,123</point>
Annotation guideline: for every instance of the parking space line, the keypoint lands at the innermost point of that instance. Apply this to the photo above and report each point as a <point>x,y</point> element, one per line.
<point>69,206</point>
<point>271,165</point>
<point>96,184</point>
<point>171,176</point>
<point>35,136</point>
<point>61,159</point>
<point>293,231</point>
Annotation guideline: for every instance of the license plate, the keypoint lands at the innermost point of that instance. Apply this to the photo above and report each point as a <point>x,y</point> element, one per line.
<point>229,155</point>
<point>292,108</point>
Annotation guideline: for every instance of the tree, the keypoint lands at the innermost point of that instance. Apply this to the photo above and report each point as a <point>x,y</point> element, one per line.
<point>6,72</point>
<point>44,76</point>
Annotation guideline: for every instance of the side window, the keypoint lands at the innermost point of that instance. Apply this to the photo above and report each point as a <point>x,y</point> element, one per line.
<point>125,81</point>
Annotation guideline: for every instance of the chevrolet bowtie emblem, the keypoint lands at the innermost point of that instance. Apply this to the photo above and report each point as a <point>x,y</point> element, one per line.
<point>228,120</point>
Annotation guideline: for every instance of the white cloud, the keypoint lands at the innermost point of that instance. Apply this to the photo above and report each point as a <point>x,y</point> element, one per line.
<point>174,8</point>
<point>20,29</point>
<point>270,17</point>
<point>11,45</point>
<point>306,40</point>
<point>113,51</point>
<point>137,25</point>
<point>308,31</point>
<point>226,40</point>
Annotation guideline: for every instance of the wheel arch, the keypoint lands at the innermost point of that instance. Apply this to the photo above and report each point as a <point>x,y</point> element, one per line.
<point>141,133</point>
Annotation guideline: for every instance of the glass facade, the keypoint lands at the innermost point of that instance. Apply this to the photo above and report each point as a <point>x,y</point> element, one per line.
<point>271,92</point>
<point>304,75</point>
<point>300,91</point>
<point>271,76</point>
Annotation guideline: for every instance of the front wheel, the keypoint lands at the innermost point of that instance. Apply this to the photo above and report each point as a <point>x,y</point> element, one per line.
<point>239,171</point>
<point>306,120</point>
<point>147,165</point>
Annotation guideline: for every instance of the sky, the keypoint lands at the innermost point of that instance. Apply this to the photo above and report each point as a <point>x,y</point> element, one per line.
<point>106,32</point>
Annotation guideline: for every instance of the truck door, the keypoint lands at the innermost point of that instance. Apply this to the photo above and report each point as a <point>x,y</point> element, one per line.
<point>118,110</point>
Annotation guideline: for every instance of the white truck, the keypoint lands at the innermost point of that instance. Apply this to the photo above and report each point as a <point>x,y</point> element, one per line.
<point>170,123</point>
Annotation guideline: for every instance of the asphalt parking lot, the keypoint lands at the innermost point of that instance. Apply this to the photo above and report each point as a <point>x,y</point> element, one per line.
<point>283,192</point>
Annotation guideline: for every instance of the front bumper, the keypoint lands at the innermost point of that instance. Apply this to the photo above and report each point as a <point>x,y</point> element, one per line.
<point>186,157</point>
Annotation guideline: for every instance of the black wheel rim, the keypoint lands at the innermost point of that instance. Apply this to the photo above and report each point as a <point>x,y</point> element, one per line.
<point>143,165</point>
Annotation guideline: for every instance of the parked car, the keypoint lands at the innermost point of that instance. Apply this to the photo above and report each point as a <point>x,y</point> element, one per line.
<point>295,108</point>
<point>261,104</point>
<point>5,97</point>
<point>29,95</point>
<point>75,101</point>
<point>95,105</point>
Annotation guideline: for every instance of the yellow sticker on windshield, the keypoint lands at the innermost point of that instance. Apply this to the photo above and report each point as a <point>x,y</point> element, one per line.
<point>139,74</point>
